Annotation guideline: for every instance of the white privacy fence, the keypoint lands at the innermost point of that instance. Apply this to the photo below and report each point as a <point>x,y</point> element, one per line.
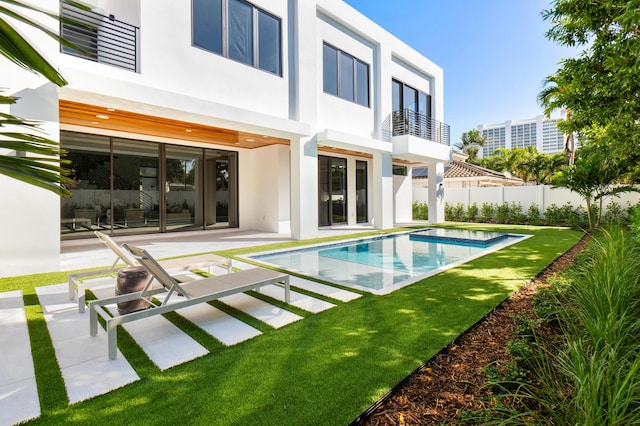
<point>542,196</point>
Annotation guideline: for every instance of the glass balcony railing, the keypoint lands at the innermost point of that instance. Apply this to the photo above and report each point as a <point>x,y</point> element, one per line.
<point>99,38</point>
<point>408,122</point>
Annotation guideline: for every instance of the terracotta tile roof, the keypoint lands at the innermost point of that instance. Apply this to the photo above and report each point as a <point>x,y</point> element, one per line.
<point>458,169</point>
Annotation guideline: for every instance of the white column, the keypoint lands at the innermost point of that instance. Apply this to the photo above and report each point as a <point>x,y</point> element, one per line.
<point>382,191</point>
<point>304,188</point>
<point>403,197</point>
<point>436,192</point>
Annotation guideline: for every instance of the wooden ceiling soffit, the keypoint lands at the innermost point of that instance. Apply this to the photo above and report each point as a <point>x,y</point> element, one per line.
<point>91,116</point>
<point>331,150</point>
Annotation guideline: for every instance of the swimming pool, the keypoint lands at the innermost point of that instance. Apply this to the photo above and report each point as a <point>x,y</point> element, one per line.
<point>383,264</point>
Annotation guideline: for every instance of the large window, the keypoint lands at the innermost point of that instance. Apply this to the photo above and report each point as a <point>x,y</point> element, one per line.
<point>125,186</point>
<point>345,76</point>
<point>406,97</point>
<point>240,31</point>
<point>332,190</point>
<point>411,111</point>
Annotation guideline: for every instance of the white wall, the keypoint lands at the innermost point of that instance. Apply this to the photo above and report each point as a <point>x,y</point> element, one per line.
<point>169,62</point>
<point>264,189</point>
<point>334,112</point>
<point>542,196</point>
<point>403,198</point>
<point>30,216</point>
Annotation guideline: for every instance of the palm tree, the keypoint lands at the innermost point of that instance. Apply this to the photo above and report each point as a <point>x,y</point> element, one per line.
<point>470,143</point>
<point>36,159</point>
<point>551,98</point>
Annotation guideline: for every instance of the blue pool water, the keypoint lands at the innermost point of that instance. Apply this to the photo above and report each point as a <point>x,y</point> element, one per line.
<point>383,264</point>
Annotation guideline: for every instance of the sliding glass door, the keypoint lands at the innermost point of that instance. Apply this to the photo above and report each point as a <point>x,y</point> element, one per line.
<point>361,192</point>
<point>127,186</point>
<point>332,190</point>
<point>183,187</point>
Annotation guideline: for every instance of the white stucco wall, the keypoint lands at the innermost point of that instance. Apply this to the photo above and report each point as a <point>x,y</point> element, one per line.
<point>30,216</point>
<point>264,189</point>
<point>334,112</point>
<point>403,198</point>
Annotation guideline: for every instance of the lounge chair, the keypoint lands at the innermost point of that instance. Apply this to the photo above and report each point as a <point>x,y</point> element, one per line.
<point>181,295</point>
<point>175,266</point>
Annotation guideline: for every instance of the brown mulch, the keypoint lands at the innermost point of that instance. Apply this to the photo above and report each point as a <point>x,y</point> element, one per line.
<point>453,379</point>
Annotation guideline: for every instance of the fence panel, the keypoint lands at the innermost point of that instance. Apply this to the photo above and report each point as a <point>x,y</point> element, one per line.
<point>541,195</point>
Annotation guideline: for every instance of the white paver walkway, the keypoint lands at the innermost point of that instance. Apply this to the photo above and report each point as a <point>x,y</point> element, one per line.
<point>225,328</point>
<point>86,369</point>
<point>18,391</point>
<point>265,312</point>
<point>302,301</point>
<point>323,289</point>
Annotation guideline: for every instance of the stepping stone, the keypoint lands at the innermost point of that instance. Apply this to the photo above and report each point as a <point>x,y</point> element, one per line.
<point>223,327</point>
<point>265,312</point>
<point>163,342</point>
<point>83,361</point>
<point>18,391</point>
<point>323,289</point>
<point>299,300</point>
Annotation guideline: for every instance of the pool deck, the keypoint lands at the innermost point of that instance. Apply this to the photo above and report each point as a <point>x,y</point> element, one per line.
<point>83,358</point>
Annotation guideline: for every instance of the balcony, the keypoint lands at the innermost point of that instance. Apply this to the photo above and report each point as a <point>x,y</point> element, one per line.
<point>99,38</point>
<point>408,122</point>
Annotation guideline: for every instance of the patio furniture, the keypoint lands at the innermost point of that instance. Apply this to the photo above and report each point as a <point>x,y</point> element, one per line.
<point>134,217</point>
<point>175,266</point>
<point>181,295</point>
<point>90,215</point>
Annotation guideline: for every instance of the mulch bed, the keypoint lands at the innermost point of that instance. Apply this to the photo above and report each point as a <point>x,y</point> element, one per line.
<point>453,379</point>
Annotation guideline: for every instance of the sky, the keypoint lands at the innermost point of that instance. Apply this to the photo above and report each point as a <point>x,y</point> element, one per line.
<point>494,53</point>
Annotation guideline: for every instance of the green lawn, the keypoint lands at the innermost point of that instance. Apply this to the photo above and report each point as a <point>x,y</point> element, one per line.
<point>325,369</point>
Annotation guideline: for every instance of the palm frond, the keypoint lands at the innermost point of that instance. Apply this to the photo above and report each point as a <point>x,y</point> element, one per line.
<point>42,172</point>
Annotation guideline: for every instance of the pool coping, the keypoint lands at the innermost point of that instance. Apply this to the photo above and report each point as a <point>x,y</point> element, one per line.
<point>391,288</point>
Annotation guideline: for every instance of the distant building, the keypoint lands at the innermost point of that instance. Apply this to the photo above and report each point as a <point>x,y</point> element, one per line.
<point>458,174</point>
<point>540,132</point>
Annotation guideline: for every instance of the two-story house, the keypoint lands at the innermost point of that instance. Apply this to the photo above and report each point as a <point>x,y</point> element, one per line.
<point>269,115</point>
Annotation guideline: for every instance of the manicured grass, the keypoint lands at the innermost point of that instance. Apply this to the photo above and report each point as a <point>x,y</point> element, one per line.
<point>325,369</point>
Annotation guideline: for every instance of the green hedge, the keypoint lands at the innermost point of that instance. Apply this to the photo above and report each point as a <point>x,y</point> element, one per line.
<point>514,214</point>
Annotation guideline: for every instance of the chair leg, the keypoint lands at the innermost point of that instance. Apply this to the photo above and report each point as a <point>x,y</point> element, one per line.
<point>93,320</point>
<point>112,336</point>
<point>81,297</point>
<point>287,290</point>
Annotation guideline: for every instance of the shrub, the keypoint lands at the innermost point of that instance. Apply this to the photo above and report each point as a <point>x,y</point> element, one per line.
<point>634,220</point>
<point>472,212</point>
<point>515,213</point>
<point>420,211</point>
<point>533,215</point>
<point>458,213</point>
<point>486,212</point>
<point>448,212</point>
<point>503,213</point>
<point>615,214</point>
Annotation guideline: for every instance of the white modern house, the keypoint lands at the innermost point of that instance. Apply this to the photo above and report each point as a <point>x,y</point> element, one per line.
<point>540,132</point>
<point>269,115</point>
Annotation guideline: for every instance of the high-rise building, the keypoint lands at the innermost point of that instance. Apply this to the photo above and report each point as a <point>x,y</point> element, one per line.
<point>540,132</point>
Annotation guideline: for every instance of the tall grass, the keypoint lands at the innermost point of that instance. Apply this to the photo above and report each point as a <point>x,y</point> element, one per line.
<point>592,375</point>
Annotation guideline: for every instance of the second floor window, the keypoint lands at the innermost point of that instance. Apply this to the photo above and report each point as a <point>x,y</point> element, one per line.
<point>405,97</point>
<point>345,76</point>
<point>238,30</point>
